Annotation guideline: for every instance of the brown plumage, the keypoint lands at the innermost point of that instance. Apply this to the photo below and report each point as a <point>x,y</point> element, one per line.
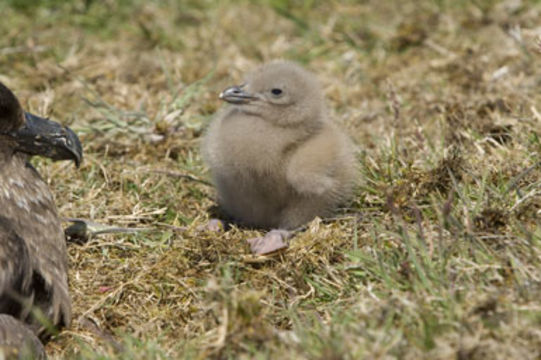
<point>33,258</point>
<point>18,341</point>
<point>275,156</point>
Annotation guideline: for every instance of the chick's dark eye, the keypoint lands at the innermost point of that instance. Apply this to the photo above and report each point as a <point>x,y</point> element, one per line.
<point>276,91</point>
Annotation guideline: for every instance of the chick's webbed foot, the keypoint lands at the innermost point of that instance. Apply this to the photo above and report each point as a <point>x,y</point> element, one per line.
<point>272,242</point>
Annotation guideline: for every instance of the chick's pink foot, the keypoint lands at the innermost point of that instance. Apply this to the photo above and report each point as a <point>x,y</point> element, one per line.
<point>273,241</point>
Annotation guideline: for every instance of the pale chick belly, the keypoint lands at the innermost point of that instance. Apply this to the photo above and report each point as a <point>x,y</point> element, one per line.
<point>248,164</point>
<point>254,200</point>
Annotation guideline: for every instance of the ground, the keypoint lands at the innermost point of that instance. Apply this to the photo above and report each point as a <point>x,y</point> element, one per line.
<point>437,256</point>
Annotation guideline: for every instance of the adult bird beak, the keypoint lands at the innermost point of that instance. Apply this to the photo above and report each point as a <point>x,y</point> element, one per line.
<point>44,137</point>
<point>236,95</point>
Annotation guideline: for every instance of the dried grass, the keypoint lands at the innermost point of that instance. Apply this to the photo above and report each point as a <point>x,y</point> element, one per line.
<point>438,256</point>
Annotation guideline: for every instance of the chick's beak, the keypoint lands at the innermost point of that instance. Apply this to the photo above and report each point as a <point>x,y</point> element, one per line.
<point>236,95</point>
<point>40,136</point>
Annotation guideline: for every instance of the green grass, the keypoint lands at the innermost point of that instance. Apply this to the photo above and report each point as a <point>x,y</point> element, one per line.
<point>436,257</point>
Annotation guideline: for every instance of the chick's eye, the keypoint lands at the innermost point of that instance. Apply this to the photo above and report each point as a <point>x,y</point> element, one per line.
<point>276,92</point>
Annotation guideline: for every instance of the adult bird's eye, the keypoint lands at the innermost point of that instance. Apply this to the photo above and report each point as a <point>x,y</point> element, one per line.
<point>276,92</point>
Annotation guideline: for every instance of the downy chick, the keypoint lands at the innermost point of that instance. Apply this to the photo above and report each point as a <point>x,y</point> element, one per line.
<point>276,158</point>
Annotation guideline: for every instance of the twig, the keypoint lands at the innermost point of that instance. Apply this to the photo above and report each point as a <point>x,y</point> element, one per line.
<point>180,176</point>
<point>22,49</point>
<point>82,229</point>
<point>439,49</point>
<point>174,228</point>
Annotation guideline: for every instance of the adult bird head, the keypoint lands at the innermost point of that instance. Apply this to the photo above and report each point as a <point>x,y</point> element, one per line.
<point>34,135</point>
<point>281,92</point>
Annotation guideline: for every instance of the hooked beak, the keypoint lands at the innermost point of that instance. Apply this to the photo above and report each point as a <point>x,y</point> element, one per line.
<point>44,137</point>
<point>236,95</point>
